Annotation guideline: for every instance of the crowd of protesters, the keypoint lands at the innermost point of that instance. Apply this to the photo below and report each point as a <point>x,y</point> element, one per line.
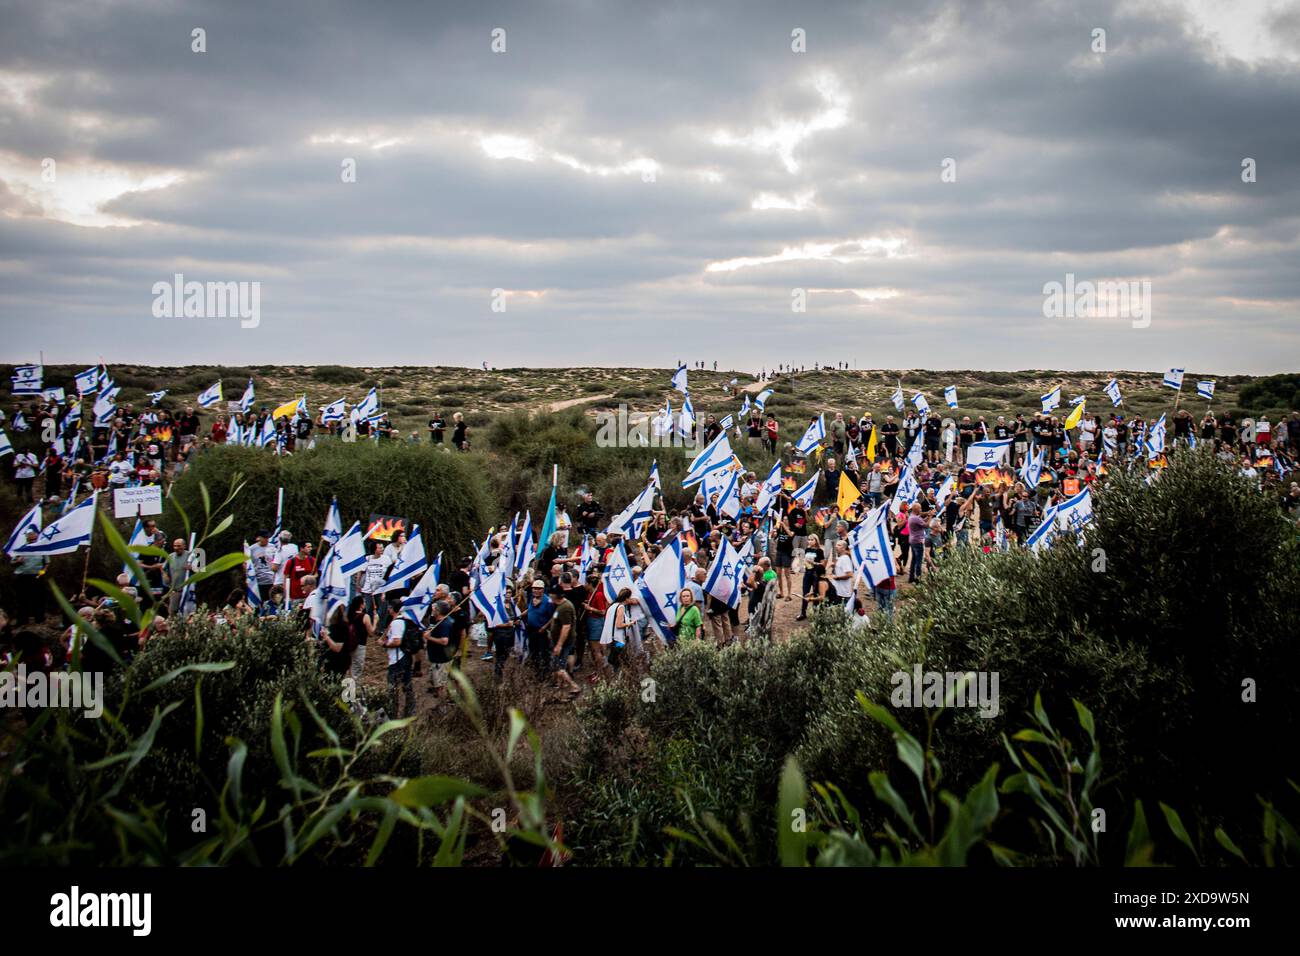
<point>566,625</point>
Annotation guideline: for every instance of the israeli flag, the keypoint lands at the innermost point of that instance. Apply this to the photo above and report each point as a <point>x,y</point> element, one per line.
<point>917,451</point>
<point>252,593</point>
<point>1109,446</point>
<point>907,492</point>
<point>729,499</point>
<point>872,555</point>
<point>1078,400</point>
<point>814,436</point>
<point>268,432</point>
<point>351,550</point>
<point>727,423</point>
<point>1031,472</point>
<point>726,574</point>
<point>27,379</point>
<point>1205,390</point>
<point>506,556</point>
<point>1052,399</point>
<point>156,397</point>
<point>525,547</point>
<point>1155,439</point>
<point>492,599</point>
<point>654,477</point>
<point>88,380</point>
<point>922,406</point>
<point>679,379</point>
<point>631,521</point>
<point>760,401</point>
<point>585,558</point>
<point>20,423</point>
<point>416,604</point>
<point>210,396</point>
<point>659,588</point>
<point>717,454</point>
<point>246,402</point>
<point>65,534</point>
<point>744,407</point>
<point>30,520</point>
<point>105,410</point>
<point>771,488</point>
<point>987,454</point>
<point>72,496</point>
<point>333,523</point>
<point>945,490</point>
<point>618,573</point>
<point>369,405</point>
<point>1075,513</point>
<point>104,380</point>
<point>1174,378</point>
<point>1042,535</point>
<point>6,447</point>
<point>234,434</point>
<point>803,496</point>
<point>1112,392</point>
<point>333,412</point>
<point>410,562</point>
<point>897,398</point>
<point>950,396</point>
<point>686,420</point>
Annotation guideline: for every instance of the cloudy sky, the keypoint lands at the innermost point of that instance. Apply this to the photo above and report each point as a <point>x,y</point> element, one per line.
<point>649,182</point>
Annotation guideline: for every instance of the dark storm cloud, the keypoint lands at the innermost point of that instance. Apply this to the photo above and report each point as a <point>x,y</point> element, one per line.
<point>527,171</point>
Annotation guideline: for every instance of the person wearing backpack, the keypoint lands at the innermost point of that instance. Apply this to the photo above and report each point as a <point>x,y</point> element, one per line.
<point>402,643</point>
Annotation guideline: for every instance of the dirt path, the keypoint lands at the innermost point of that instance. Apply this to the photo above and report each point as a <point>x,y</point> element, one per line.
<point>570,402</point>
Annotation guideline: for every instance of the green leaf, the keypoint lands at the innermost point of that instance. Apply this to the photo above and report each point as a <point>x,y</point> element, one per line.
<point>1225,841</point>
<point>208,667</point>
<point>433,791</point>
<point>887,795</point>
<point>1138,851</point>
<point>1176,825</point>
<point>792,816</point>
<point>1086,721</point>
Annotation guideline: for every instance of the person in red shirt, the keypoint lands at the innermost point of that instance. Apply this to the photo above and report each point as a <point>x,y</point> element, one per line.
<point>219,431</point>
<point>297,568</point>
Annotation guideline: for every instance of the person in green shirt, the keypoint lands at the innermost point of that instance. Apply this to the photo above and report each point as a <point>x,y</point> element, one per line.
<point>689,621</point>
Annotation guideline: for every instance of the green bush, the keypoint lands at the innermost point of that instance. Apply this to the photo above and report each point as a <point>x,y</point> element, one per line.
<point>339,374</point>
<point>446,494</point>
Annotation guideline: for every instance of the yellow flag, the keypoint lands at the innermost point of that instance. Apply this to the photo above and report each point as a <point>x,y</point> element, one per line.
<point>871,446</point>
<point>1073,420</point>
<point>848,495</point>
<point>288,408</point>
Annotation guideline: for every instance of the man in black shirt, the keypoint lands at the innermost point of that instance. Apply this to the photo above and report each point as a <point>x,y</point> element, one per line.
<point>889,431</point>
<point>965,435</point>
<point>436,428</point>
<point>589,513</point>
<point>933,433</point>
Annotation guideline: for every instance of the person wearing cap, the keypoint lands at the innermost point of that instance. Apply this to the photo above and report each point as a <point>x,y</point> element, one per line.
<point>561,634</point>
<point>537,616</point>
